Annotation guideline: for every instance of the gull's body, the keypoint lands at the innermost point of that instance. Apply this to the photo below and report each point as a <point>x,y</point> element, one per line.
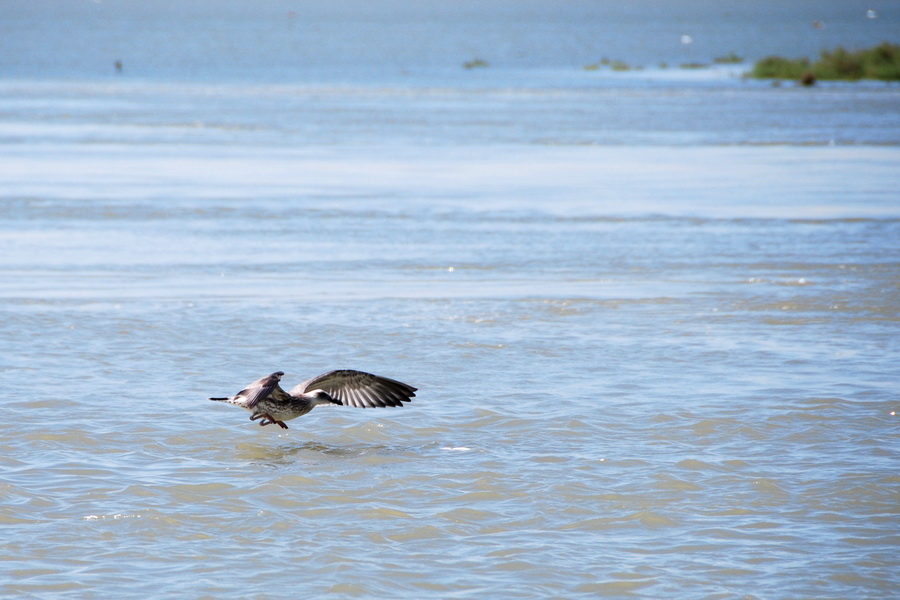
<point>266,400</point>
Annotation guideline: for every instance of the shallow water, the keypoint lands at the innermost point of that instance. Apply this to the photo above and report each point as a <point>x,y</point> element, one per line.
<point>659,404</point>
<point>653,320</point>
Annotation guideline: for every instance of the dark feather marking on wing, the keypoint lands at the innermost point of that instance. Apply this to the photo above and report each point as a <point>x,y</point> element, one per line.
<point>364,400</point>
<point>388,398</point>
<point>347,398</point>
<point>371,399</point>
<point>392,393</point>
<point>261,389</point>
<point>360,389</point>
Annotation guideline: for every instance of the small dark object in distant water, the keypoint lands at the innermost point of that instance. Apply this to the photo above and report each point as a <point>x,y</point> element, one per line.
<point>118,66</point>
<point>808,79</point>
<point>266,400</point>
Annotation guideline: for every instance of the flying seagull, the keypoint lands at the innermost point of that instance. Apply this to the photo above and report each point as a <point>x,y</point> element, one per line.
<point>266,400</point>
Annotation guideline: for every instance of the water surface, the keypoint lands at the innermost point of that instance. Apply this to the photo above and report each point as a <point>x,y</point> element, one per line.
<point>652,317</point>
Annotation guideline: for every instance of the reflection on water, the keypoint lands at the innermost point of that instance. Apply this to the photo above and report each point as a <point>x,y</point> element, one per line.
<point>283,454</point>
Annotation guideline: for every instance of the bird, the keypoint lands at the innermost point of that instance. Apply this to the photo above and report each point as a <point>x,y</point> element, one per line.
<point>270,404</point>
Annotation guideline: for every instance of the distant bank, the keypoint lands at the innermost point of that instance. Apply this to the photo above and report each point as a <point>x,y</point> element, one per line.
<point>881,62</point>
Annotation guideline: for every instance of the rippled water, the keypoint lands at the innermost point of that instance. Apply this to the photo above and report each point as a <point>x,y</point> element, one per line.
<point>653,320</point>
<point>661,405</point>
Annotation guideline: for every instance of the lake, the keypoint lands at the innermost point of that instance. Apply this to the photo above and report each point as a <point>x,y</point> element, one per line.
<point>652,314</point>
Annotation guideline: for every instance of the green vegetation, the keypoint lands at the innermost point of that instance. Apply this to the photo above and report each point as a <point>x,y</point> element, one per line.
<point>880,62</point>
<point>615,65</point>
<point>730,59</point>
<point>778,67</point>
<point>476,63</point>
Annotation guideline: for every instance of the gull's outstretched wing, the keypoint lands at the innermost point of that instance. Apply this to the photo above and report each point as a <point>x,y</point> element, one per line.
<point>260,390</point>
<point>359,389</point>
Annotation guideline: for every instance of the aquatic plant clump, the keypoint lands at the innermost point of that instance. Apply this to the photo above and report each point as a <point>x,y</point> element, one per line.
<point>614,65</point>
<point>730,59</point>
<point>778,67</point>
<point>880,62</point>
